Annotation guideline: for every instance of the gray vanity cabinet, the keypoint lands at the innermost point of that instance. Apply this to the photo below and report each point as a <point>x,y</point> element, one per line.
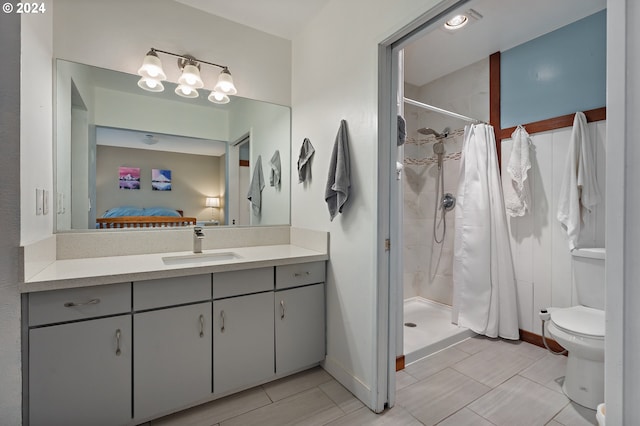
<point>172,356</point>
<point>299,327</point>
<point>80,352</point>
<point>80,373</point>
<point>243,347</point>
<point>300,316</point>
<point>172,359</point>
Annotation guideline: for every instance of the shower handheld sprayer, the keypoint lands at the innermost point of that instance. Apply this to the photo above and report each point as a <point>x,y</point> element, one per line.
<point>446,202</point>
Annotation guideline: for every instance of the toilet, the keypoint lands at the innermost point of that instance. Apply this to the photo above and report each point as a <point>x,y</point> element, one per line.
<point>580,329</point>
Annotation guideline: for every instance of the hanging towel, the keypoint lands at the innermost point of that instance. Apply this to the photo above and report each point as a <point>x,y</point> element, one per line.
<point>304,160</point>
<point>256,187</point>
<point>274,178</point>
<point>484,282</point>
<point>517,192</point>
<point>579,192</point>
<point>339,178</point>
<point>402,130</point>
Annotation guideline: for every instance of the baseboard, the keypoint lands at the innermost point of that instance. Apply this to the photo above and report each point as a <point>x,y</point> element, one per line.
<point>400,363</point>
<point>536,339</point>
<point>349,381</point>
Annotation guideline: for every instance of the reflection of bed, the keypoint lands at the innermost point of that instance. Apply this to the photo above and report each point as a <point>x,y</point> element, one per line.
<point>133,217</point>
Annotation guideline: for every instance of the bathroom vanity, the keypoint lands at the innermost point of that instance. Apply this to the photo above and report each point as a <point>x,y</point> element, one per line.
<point>170,337</point>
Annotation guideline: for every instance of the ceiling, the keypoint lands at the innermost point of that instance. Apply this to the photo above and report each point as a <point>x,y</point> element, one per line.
<point>160,142</point>
<point>282,18</point>
<point>504,24</point>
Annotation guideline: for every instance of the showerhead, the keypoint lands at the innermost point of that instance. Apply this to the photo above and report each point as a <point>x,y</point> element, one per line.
<point>429,131</point>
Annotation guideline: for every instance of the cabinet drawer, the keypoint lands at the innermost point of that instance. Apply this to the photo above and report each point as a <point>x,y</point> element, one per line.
<point>227,284</point>
<point>79,303</point>
<point>171,291</point>
<point>300,274</point>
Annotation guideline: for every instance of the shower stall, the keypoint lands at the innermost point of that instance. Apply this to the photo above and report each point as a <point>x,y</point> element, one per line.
<point>431,164</point>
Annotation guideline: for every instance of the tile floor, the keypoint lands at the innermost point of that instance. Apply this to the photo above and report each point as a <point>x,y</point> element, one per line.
<point>455,387</point>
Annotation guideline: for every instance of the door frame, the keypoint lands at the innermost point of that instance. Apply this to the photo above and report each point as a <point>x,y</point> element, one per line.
<point>389,261</point>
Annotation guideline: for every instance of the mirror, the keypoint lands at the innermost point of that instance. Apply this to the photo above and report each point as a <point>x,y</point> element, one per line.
<point>121,151</point>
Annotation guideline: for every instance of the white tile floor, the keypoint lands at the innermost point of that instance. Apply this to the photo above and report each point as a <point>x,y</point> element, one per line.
<point>477,382</point>
<point>433,330</point>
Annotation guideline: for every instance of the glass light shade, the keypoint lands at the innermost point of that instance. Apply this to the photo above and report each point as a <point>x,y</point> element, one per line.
<point>212,202</point>
<point>150,84</point>
<point>218,98</point>
<point>225,83</point>
<point>186,91</point>
<point>152,67</point>
<point>191,77</point>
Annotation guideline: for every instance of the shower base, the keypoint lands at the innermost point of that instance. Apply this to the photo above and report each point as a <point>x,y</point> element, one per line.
<point>433,330</point>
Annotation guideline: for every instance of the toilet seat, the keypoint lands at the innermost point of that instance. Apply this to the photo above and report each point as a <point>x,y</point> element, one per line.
<point>580,320</point>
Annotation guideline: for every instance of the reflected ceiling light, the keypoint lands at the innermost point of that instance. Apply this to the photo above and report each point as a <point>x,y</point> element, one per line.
<point>456,22</point>
<point>218,98</point>
<point>150,84</point>
<point>152,74</point>
<point>186,91</point>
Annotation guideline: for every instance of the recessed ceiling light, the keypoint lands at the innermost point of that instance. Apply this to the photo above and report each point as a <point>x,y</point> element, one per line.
<point>456,22</point>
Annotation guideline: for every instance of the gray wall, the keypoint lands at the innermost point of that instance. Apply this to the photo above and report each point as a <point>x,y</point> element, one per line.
<point>10,375</point>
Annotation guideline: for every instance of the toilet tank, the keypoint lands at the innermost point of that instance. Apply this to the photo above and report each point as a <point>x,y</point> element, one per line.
<point>588,276</point>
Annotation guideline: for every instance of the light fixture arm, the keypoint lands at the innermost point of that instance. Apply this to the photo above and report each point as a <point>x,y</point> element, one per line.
<point>189,58</point>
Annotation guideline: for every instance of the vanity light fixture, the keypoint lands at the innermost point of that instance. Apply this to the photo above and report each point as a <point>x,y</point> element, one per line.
<point>152,75</point>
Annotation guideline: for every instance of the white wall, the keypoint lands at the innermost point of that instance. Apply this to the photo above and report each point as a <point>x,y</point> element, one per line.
<point>270,129</point>
<point>36,169</point>
<point>10,361</point>
<point>148,114</point>
<point>539,245</point>
<point>335,76</point>
<point>117,34</point>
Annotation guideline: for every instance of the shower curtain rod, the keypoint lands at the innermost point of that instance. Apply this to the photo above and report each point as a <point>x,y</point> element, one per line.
<point>442,111</point>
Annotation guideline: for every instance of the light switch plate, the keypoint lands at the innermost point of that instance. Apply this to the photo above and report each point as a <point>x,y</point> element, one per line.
<point>45,202</point>
<point>39,201</point>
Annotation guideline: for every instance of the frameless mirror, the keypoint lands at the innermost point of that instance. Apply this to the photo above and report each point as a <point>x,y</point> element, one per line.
<point>124,155</point>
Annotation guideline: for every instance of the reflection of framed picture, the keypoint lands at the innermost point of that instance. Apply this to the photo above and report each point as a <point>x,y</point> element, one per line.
<point>161,180</point>
<point>129,177</point>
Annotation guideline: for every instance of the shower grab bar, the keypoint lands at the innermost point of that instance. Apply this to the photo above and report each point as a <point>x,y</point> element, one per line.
<point>442,111</point>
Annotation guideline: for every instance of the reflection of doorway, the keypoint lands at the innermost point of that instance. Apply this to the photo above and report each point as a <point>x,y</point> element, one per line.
<point>239,178</point>
<point>244,215</point>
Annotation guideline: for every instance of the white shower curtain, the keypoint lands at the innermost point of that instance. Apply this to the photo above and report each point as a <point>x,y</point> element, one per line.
<point>483,276</point>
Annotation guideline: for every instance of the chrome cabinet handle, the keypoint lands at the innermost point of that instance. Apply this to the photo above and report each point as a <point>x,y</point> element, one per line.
<point>90,302</point>
<point>282,309</point>
<point>201,326</point>
<point>118,336</point>
<point>222,319</point>
<point>299,274</point>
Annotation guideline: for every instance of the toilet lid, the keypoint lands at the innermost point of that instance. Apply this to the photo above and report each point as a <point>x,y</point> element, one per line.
<point>580,320</point>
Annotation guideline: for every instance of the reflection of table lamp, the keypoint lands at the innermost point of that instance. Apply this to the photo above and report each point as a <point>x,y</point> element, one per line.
<point>213,202</point>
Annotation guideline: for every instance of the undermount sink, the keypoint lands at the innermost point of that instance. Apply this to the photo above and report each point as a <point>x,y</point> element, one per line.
<point>199,258</point>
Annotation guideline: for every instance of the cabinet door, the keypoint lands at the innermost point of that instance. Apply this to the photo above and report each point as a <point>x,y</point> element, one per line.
<point>243,341</point>
<point>172,358</point>
<point>300,327</point>
<point>80,373</point>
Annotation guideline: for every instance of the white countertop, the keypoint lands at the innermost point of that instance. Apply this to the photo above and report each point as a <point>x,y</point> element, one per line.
<point>116,269</point>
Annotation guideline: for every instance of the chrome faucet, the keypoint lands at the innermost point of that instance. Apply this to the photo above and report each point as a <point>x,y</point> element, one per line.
<point>198,236</point>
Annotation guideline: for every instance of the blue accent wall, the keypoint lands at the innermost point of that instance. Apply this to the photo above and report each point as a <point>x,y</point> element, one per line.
<point>558,73</point>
